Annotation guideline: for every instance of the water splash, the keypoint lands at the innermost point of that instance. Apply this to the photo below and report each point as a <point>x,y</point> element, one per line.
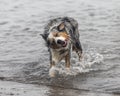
<point>91,57</point>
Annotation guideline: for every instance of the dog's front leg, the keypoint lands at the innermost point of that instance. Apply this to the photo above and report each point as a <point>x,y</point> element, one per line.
<point>52,63</point>
<point>67,61</point>
<point>52,67</point>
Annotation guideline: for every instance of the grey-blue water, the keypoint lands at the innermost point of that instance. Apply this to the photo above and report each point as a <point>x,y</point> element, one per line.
<point>24,57</point>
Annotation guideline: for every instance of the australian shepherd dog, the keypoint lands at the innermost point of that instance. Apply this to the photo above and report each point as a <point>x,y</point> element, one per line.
<point>62,37</point>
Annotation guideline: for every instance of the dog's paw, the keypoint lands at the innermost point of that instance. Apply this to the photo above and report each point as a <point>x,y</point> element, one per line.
<point>67,71</point>
<point>52,72</point>
<point>80,57</point>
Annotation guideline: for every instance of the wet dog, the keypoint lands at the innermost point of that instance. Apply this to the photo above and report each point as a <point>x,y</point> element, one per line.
<point>62,37</point>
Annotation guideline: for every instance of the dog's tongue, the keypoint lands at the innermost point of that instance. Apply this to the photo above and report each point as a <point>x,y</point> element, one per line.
<point>64,44</point>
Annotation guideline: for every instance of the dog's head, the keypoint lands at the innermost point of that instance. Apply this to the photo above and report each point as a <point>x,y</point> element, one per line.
<point>57,37</point>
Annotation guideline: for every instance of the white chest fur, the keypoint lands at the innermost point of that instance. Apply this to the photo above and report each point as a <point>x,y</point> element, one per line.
<point>56,56</point>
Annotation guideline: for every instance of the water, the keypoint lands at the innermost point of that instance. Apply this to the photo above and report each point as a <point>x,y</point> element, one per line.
<point>24,57</point>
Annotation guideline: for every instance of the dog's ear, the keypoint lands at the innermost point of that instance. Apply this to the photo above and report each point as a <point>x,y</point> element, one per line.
<point>44,36</point>
<point>61,26</point>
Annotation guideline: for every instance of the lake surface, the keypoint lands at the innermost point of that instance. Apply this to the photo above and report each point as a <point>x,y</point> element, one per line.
<point>25,59</point>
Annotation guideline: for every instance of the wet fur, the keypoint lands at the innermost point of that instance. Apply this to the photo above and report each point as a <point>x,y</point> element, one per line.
<point>65,27</point>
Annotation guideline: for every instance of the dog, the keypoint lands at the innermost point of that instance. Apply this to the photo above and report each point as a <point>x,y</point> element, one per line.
<point>62,37</point>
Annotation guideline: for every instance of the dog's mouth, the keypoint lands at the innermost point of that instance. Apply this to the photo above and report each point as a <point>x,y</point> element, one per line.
<point>64,44</point>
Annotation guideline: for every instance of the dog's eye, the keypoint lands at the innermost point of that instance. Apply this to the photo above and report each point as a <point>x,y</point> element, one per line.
<point>56,35</point>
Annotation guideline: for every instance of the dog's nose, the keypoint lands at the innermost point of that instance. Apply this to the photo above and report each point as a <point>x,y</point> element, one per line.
<point>60,42</point>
